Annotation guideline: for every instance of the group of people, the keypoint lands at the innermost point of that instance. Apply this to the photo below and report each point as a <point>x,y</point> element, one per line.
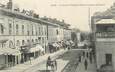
<point>85,56</point>
<point>51,63</point>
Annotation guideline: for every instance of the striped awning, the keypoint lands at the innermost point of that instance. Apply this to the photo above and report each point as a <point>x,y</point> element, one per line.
<point>36,48</point>
<point>9,51</point>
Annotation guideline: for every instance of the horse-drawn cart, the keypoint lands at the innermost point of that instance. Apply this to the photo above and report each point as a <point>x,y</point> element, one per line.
<point>52,64</point>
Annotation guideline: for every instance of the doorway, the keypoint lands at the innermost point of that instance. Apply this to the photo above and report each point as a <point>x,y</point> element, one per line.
<point>108,59</point>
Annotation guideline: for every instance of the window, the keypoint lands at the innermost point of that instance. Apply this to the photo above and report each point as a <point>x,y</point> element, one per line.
<point>2,29</point>
<point>57,32</point>
<point>36,33</point>
<point>39,31</point>
<point>32,41</point>
<point>17,29</point>
<point>28,41</point>
<point>18,43</point>
<point>22,29</point>
<point>36,40</point>
<point>10,28</point>
<point>23,42</point>
<point>28,32</point>
<point>32,31</point>
<point>42,40</point>
<point>108,59</point>
<point>45,31</point>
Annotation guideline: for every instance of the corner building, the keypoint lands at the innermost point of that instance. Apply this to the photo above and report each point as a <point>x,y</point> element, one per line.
<point>19,36</point>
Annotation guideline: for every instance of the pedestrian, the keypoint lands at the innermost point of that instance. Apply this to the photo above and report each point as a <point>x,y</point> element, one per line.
<point>48,63</point>
<point>50,48</point>
<point>85,64</point>
<point>90,58</point>
<point>56,64</point>
<point>87,54</point>
<point>83,54</point>
<point>80,58</point>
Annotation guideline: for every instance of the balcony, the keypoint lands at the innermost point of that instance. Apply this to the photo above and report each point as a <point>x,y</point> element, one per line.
<point>105,34</point>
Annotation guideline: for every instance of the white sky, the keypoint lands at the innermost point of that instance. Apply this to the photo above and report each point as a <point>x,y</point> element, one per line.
<point>77,16</point>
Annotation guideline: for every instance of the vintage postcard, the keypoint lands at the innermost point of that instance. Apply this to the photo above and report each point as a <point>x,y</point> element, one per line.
<point>57,35</point>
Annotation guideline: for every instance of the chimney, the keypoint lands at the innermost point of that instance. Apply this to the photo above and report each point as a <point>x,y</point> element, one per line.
<point>9,4</point>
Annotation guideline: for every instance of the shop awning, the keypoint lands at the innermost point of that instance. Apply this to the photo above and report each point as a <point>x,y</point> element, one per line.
<point>1,51</point>
<point>80,44</point>
<point>36,48</point>
<point>9,51</point>
<point>55,45</point>
<point>106,21</point>
<point>33,49</point>
<point>40,47</point>
<point>3,40</point>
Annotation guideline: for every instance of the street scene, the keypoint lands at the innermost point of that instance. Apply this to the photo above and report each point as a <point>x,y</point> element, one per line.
<point>57,36</point>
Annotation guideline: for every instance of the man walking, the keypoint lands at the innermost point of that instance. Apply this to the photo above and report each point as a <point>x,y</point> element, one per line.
<point>85,64</point>
<point>83,54</point>
<point>79,58</point>
<point>90,58</point>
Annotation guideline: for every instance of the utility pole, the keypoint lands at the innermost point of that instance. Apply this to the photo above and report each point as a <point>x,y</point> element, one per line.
<point>89,20</point>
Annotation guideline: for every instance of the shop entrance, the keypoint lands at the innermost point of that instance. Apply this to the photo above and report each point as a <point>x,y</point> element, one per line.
<point>108,59</point>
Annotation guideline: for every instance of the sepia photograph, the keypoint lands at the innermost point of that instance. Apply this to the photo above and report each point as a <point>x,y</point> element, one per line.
<point>57,35</point>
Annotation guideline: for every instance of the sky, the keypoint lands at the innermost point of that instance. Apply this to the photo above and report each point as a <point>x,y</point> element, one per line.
<point>70,10</point>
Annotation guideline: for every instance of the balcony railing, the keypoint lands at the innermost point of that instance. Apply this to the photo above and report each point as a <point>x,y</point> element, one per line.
<point>105,34</point>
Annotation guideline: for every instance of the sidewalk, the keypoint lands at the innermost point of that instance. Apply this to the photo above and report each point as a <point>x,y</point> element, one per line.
<point>61,65</point>
<point>27,65</point>
<point>81,68</point>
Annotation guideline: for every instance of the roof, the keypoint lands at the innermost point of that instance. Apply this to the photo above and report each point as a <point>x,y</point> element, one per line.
<point>106,21</point>
<point>20,15</point>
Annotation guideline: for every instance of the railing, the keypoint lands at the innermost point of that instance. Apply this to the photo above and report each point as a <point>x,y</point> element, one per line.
<point>105,34</point>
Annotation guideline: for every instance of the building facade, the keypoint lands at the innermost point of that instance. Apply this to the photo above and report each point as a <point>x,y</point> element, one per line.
<point>17,32</point>
<point>103,31</point>
<point>23,35</point>
<point>67,34</point>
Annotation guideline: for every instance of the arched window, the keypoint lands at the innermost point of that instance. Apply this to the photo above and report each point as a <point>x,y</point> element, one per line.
<point>11,44</point>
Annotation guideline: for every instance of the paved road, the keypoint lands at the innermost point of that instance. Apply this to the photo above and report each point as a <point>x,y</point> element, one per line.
<point>65,63</point>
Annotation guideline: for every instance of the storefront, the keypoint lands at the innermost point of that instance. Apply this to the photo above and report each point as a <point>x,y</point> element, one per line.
<point>36,50</point>
<point>9,57</point>
<point>30,51</point>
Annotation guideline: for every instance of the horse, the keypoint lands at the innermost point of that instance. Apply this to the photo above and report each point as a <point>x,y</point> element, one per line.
<point>52,64</point>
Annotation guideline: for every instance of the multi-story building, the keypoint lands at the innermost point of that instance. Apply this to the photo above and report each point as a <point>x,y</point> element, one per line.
<point>58,31</point>
<point>67,34</point>
<point>19,32</point>
<point>103,30</point>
